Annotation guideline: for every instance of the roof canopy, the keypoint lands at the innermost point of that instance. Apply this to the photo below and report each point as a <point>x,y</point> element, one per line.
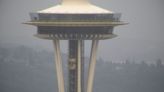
<point>75,6</point>
<point>75,1</point>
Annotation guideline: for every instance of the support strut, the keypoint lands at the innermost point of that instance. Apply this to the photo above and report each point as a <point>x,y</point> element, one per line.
<point>58,64</point>
<point>92,65</point>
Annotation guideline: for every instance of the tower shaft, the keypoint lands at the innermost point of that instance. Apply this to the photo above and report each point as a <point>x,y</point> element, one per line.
<point>75,21</point>
<point>76,66</point>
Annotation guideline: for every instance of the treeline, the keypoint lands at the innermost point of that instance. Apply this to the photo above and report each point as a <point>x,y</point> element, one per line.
<point>130,77</point>
<point>23,69</point>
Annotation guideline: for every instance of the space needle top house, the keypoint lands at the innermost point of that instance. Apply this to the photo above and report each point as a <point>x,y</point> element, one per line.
<point>75,21</point>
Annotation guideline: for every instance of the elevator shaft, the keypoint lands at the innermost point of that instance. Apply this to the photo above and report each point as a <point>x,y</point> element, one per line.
<point>76,66</point>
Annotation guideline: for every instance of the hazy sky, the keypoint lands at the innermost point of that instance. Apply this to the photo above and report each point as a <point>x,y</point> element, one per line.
<point>142,39</point>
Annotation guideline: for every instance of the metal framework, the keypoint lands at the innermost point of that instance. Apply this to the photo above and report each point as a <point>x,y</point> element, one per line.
<point>75,66</point>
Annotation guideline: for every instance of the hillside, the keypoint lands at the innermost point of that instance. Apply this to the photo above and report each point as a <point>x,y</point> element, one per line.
<point>23,69</point>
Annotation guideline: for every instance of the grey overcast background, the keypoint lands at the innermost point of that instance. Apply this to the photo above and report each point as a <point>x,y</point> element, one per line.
<point>142,39</point>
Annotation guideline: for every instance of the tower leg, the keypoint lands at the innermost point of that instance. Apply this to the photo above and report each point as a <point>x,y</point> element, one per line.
<point>58,63</point>
<point>92,65</point>
<point>76,66</point>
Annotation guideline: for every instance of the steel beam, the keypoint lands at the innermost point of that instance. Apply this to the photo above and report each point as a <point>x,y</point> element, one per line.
<point>92,65</point>
<point>58,64</point>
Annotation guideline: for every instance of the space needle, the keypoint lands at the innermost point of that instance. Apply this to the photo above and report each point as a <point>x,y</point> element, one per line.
<point>75,21</point>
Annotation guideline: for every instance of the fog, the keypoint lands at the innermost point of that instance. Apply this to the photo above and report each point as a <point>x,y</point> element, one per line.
<point>142,39</point>
<point>23,69</point>
<point>132,62</point>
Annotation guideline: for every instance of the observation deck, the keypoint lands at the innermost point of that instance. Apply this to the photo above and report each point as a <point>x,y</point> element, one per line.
<point>75,26</point>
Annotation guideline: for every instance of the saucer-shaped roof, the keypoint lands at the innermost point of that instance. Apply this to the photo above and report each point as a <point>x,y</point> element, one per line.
<point>75,7</point>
